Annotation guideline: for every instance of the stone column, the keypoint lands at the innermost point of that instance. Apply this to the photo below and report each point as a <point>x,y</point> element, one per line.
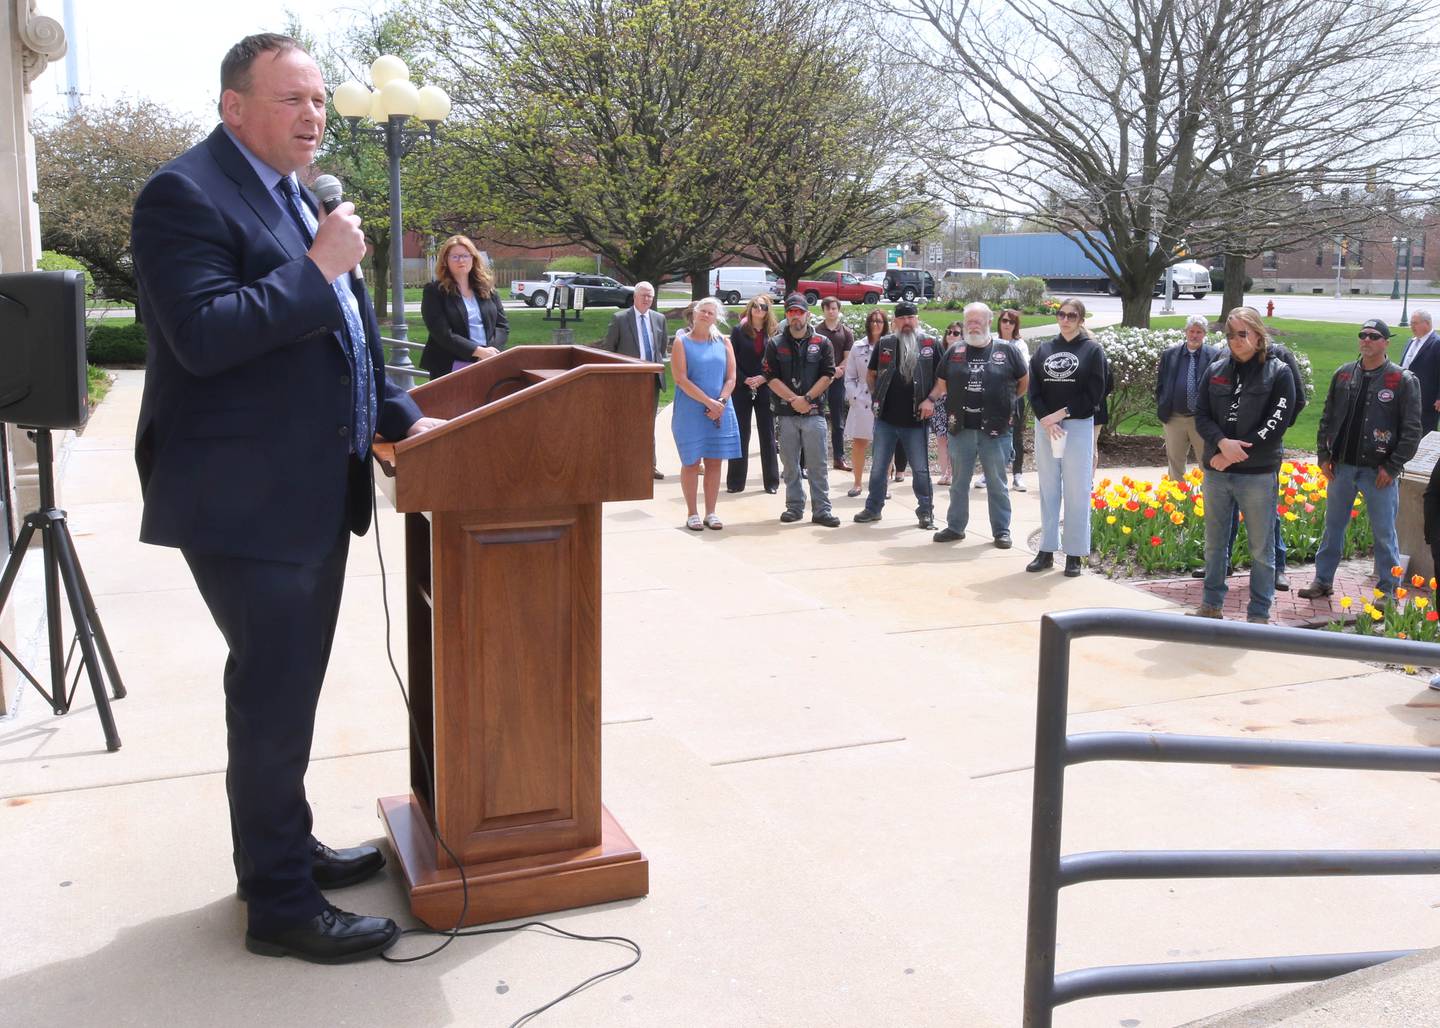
<point>33,42</point>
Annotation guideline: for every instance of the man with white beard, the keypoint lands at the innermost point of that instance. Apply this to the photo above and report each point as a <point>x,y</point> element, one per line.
<point>901,374</point>
<point>978,382</point>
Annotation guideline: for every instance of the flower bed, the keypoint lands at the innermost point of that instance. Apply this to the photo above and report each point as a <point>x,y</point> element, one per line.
<point>1158,527</point>
<point>1409,614</point>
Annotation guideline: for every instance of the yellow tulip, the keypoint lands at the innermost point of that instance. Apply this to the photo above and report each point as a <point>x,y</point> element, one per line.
<point>1378,593</point>
<point>1290,515</point>
<point>1376,614</point>
<point>1125,529</point>
<point>1421,603</point>
<point>1345,603</point>
<point>1110,520</point>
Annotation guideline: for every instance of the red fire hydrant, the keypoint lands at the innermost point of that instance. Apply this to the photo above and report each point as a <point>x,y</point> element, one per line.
<point>1270,309</point>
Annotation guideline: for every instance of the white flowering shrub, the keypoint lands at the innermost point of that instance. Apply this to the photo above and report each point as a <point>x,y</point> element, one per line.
<point>1134,355</point>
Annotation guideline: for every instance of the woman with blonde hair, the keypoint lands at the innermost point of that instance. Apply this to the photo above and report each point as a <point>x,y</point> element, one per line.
<point>703,416</point>
<point>461,310</point>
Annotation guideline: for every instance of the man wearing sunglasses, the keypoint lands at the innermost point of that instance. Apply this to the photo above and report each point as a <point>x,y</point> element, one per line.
<point>1369,429</point>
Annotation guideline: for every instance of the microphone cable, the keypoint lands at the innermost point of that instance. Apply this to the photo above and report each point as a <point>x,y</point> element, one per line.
<point>458,930</point>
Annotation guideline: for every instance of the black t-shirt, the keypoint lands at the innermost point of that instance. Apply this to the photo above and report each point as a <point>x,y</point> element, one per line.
<point>1347,440</point>
<point>899,407</point>
<point>972,402</point>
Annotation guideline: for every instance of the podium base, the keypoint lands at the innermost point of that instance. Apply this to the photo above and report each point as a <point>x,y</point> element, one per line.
<point>504,889</point>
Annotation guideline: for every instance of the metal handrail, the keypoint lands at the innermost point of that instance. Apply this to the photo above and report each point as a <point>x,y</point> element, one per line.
<point>412,371</point>
<point>1055,750</point>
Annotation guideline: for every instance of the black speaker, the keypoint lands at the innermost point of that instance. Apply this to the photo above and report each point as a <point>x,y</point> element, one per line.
<point>42,349</point>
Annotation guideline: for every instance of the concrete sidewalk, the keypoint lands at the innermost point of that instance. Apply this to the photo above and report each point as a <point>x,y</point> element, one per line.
<point>820,738</point>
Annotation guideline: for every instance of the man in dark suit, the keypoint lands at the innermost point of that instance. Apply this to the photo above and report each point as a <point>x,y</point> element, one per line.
<point>640,332</point>
<point>264,386</point>
<point>1422,358</point>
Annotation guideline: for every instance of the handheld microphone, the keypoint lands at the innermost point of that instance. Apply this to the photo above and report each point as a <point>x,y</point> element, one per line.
<point>330,192</point>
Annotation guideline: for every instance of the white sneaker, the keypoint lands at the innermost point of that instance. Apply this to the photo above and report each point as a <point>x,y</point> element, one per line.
<point>1435,682</point>
<point>1017,485</point>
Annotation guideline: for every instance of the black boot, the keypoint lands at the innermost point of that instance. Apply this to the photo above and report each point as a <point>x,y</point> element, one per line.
<point>1072,567</point>
<point>1043,562</point>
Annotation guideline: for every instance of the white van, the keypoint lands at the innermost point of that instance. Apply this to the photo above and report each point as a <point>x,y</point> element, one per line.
<point>954,281</point>
<point>736,284</point>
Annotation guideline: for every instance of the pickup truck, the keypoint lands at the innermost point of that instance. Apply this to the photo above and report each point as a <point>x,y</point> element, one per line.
<point>536,291</point>
<point>840,284</point>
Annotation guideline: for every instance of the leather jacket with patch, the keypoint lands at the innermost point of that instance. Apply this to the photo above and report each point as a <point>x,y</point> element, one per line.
<point>1389,414</point>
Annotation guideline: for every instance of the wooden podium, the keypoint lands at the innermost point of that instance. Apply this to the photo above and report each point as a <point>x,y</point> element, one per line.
<point>502,556</point>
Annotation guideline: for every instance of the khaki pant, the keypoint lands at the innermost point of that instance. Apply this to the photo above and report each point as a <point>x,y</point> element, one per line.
<point>1180,437</point>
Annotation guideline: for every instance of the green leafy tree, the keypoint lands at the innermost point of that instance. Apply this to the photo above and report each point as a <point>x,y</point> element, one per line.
<point>846,182</point>
<point>653,132</point>
<point>90,166</point>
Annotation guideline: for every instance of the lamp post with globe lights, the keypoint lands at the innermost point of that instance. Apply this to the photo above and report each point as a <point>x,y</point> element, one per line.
<point>393,102</point>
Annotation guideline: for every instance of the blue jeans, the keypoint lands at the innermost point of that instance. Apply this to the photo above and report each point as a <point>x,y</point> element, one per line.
<point>1067,480</point>
<point>994,453</point>
<point>1279,539</point>
<point>882,449</point>
<point>1340,497</point>
<point>804,432</point>
<point>1254,496</point>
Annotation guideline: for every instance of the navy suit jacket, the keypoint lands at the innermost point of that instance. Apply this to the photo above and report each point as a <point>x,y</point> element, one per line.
<point>1426,368</point>
<point>243,443</point>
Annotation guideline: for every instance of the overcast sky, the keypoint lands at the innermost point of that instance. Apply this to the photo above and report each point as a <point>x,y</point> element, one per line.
<point>166,50</point>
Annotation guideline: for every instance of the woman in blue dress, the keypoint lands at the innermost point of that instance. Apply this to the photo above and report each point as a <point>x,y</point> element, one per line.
<point>703,420</point>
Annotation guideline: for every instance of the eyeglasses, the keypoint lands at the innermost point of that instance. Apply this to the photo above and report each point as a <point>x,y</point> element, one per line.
<point>1370,337</point>
<point>458,257</point>
<point>954,332</point>
<point>1009,321</point>
<point>1068,316</point>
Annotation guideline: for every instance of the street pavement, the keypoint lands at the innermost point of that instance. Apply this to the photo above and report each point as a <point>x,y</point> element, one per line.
<point>821,739</point>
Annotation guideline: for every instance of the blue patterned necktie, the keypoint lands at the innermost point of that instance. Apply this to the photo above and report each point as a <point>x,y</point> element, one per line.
<point>645,348</point>
<point>363,403</point>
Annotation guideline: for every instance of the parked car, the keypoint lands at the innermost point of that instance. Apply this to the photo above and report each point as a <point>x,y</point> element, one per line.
<point>908,284</point>
<point>603,291</point>
<point>840,284</point>
<point>738,284</point>
<point>536,291</point>
<point>954,280</point>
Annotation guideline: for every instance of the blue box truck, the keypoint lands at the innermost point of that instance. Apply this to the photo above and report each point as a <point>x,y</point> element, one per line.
<point>1058,259</point>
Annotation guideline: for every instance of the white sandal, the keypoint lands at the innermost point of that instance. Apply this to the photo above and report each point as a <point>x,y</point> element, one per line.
<point>694,524</point>
<point>713,521</point>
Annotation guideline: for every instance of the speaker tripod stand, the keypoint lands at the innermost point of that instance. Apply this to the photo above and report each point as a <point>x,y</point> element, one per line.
<point>62,568</point>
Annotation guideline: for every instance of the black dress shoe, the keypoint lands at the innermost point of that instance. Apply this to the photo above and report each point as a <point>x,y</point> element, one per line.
<point>864,517</point>
<point>948,535</point>
<point>789,517</point>
<point>1003,541</point>
<point>657,474</point>
<point>734,488</point>
<point>335,869</point>
<point>1043,562</point>
<point>1072,567</point>
<point>772,489</point>
<point>332,936</point>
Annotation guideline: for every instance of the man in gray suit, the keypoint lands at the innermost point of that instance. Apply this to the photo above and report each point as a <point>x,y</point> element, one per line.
<point>640,332</point>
